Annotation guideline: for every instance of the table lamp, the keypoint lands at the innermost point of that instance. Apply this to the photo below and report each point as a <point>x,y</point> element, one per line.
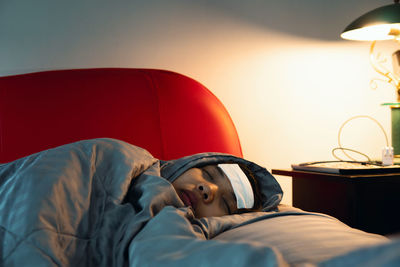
<point>382,23</point>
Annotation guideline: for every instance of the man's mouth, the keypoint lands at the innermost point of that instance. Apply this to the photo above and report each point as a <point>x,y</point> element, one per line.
<point>189,198</point>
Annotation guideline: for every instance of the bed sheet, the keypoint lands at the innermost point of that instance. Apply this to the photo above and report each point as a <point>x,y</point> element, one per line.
<point>302,237</point>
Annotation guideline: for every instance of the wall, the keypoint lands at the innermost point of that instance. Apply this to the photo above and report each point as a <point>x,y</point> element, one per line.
<point>280,67</point>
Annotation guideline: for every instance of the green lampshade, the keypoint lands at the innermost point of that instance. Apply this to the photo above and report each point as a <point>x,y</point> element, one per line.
<point>382,23</point>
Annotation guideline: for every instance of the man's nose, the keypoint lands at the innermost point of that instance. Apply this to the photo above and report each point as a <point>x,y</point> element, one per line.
<point>207,191</point>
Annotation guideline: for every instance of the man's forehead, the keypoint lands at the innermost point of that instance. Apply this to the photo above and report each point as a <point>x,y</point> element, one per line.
<point>221,172</point>
<point>217,170</point>
<point>240,184</point>
<point>225,178</point>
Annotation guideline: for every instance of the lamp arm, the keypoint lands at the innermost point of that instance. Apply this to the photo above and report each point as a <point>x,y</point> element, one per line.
<point>376,64</point>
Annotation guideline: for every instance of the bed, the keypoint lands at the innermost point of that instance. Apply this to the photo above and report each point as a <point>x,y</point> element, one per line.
<point>111,124</point>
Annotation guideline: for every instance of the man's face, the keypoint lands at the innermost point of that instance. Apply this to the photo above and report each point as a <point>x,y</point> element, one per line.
<point>207,190</point>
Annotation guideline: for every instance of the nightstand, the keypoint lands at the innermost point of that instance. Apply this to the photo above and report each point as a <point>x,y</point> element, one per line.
<point>367,202</point>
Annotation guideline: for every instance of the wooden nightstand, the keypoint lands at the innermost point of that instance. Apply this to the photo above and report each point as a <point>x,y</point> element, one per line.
<point>367,202</point>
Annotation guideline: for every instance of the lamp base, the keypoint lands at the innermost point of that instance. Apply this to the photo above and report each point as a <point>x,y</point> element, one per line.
<point>395,117</point>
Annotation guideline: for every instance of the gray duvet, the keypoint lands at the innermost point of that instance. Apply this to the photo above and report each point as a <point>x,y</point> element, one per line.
<point>104,202</point>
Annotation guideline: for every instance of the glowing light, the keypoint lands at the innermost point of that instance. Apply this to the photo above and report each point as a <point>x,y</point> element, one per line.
<point>374,32</point>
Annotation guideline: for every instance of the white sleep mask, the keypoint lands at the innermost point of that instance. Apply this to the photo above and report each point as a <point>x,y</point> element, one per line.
<point>240,184</point>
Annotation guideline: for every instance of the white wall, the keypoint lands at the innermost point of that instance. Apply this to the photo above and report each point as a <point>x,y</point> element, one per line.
<point>280,67</point>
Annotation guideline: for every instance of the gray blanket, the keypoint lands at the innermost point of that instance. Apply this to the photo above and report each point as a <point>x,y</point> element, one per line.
<point>104,202</point>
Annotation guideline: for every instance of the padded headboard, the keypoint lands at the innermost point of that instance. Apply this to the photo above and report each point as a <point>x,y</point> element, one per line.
<point>167,113</point>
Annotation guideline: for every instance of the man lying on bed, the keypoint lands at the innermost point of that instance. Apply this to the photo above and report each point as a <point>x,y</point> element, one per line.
<point>94,202</point>
<point>217,190</point>
<point>104,202</point>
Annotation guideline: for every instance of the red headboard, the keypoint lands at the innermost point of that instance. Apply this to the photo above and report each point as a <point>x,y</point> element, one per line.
<point>167,113</point>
